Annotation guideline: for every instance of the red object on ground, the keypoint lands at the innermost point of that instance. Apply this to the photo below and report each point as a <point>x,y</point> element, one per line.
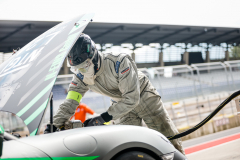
<point>81,112</point>
<point>211,144</point>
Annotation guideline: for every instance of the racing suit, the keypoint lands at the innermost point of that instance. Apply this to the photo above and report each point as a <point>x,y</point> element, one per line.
<point>133,96</point>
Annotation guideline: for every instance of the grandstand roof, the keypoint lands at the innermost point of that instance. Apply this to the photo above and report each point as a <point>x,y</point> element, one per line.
<point>14,34</point>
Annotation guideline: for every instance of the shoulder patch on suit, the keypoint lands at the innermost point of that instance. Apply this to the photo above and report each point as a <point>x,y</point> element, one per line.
<point>74,83</point>
<point>125,70</point>
<point>117,66</point>
<point>80,76</point>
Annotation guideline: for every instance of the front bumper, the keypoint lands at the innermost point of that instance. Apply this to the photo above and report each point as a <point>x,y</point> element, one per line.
<point>179,156</point>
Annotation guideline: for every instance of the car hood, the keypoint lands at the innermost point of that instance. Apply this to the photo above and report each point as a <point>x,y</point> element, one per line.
<point>27,77</point>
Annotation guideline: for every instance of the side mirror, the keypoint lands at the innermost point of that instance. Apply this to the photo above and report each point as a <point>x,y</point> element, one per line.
<point>1,139</point>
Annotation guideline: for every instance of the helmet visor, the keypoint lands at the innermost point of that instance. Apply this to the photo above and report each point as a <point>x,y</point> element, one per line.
<point>83,67</point>
<point>80,52</point>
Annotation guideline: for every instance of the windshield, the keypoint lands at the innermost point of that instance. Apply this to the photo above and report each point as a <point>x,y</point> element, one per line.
<point>13,124</point>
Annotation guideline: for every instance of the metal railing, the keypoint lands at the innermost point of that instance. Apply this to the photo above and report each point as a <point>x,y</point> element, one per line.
<point>213,77</point>
<point>234,69</point>
<point>173,82</point>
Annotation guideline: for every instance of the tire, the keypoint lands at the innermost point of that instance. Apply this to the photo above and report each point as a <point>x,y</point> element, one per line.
<point>134,155</point>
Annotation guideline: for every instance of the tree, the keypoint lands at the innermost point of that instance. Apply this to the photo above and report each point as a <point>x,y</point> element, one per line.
<point>235,52</point>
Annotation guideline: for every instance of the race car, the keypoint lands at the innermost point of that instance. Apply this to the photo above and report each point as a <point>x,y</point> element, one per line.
<point>113,142</point>
<point>26,81</point>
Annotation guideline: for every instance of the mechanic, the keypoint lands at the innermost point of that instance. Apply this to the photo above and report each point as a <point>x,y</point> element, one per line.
<point>115,75</point>
<point>81,112</point>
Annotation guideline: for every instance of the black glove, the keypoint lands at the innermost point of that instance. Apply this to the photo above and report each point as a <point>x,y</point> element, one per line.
<point>48,129</point>
<point>97,121</point>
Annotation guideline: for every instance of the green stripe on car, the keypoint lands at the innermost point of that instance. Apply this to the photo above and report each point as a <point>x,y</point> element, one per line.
<point>54,158</point>
<point>75,158</point>
<point>1,130</point>
<point>35,99</point>
<point>36,113</point>
<point>34,132</point>
<point>74,96</point>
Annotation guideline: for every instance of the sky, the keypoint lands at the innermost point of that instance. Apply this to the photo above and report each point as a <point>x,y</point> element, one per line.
<point>176,12</point>
<point>218,13</point>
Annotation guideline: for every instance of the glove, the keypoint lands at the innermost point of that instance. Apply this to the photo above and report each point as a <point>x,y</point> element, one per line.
<point>97,121</point>
<point>48,129</point>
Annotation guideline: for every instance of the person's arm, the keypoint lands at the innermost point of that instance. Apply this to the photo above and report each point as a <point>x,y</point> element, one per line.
<point>74,114</point>
<point>129,87</point>
<point>72,117</point>
<point>76,91</point>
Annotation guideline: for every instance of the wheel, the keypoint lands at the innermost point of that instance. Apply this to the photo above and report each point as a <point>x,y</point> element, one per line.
<point>134,155</point>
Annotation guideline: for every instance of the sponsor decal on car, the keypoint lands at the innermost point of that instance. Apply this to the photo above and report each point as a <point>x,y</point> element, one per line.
<point>125,70</point>
<point>53,71</point>
<point>28,54</point>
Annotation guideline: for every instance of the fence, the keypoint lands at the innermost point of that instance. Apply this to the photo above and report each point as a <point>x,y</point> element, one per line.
<point>183,81</point>
<point>213,77</point>
<point>173,82</point>
<point>234,69</point>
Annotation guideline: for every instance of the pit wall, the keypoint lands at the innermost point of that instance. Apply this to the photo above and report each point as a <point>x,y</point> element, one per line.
<point>213,126</point>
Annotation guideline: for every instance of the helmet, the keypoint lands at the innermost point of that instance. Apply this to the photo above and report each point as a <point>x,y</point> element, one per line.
<point>83,49</point>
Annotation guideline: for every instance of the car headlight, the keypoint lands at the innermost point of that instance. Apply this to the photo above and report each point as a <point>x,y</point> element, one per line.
<point>166,140</point>
<point>168,156</point>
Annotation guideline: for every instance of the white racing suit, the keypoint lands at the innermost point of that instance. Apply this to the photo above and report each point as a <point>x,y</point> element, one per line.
<point>134,98</point>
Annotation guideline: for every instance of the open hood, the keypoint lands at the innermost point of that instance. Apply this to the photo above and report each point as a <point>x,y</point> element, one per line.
<point>27,78</point>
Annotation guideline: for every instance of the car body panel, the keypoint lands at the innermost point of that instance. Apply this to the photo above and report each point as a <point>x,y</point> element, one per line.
<point>15,149</point>
<point>27,77</point>
<point>106,141</point>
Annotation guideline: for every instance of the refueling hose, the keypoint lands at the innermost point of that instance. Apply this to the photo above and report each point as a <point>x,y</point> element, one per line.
<point>235,94</point>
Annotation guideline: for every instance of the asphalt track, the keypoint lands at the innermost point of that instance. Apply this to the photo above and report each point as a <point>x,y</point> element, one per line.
<point>223,145</point>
